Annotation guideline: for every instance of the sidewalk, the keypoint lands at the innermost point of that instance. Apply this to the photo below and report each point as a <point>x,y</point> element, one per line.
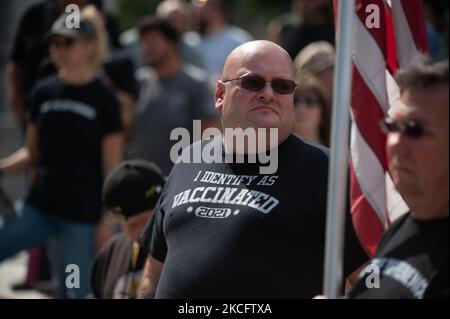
<point>13,271</point>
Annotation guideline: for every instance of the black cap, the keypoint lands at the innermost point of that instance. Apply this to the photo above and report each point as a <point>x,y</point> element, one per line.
<point>133,186</point>
<point>62,26</point>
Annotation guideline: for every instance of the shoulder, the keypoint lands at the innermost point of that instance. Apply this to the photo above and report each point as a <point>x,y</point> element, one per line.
<point>117,242</point>
<point>392,230</point>
<point>305,149</point>
<point>145,73</point>
<point>195,73</point>
<point>100,90</point>
<point>47,84</point>
<point>183,162</point>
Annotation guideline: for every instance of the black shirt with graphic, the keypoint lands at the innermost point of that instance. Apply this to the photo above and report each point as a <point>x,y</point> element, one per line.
<point>113,273</point>
<point>411,262</point>
<point>226,231</point>
<point>72,122</point>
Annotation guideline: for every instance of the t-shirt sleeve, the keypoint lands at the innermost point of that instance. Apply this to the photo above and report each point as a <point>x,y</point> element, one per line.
<point>111,121</point>
<point>153,236</point>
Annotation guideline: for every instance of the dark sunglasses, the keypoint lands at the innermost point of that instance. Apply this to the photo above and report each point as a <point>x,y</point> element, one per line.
<point>410,129</point>
<point>256,83</point>
<point>67,42</point>
<point>307,100</point>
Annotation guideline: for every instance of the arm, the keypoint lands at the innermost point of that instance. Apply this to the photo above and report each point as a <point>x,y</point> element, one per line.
<point>14,73</point>
<point>112,151</point>
<point>22,159</point>
<point>150,278</point>
<point>15,163</point>
<point>126,102</point>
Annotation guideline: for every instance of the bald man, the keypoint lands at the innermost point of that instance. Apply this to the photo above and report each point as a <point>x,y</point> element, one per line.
<point>222,229</point>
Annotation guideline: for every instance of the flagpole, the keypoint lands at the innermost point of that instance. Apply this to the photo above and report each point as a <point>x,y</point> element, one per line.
<point>337,180</point>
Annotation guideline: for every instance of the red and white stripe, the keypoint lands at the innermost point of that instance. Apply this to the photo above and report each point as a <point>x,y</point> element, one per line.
<point>377,54</point>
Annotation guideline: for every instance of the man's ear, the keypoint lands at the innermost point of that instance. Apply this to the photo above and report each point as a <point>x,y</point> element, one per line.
<point>218,95</point>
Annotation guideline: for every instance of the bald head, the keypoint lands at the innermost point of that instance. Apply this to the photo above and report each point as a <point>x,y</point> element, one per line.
<point>255,50</point>
<point>263,107</point>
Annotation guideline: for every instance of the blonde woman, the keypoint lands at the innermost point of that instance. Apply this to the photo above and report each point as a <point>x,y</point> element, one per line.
<point>74,138</point>
<point>312,114</point>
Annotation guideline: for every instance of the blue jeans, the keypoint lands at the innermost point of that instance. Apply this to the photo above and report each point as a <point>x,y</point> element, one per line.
<point>31,227</point>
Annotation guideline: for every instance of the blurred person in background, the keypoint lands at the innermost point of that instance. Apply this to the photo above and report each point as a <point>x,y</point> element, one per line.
<point>74,138</point>
<point>30,50</point>
<point>172,94</point>
<point>310,21</point>
<point>311,112</point>
<point>129,194</point>
<point>411,261</point>
<point>181,14</point>
<point>218,36</point>
<point>317,61</point>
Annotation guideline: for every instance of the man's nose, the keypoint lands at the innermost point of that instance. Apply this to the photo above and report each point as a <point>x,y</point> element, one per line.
<point>266,92</point>
<point>397,143</point>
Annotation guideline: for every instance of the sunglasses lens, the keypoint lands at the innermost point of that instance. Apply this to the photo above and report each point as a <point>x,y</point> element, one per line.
<point>253,83</point>
<point>307,100</point>
<point>283,86</point>
<point>413,129</point>
<point>63,43</point>
<point>387,125</point>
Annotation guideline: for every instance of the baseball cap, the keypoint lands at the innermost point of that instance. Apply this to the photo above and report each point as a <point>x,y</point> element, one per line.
<point>133,186</point>
<point>61,26</point>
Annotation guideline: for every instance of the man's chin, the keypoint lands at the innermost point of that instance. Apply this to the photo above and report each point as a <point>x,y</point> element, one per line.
<point>267,121</point>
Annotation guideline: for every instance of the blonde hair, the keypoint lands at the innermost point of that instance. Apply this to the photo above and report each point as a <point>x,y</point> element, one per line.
<point>101,51</point>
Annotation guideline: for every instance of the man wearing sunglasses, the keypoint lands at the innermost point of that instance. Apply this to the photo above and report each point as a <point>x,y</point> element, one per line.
<point>412,258</point>
<point>226,230</point>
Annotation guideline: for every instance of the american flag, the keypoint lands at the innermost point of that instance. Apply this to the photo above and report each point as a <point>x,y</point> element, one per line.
<point>387,35</point>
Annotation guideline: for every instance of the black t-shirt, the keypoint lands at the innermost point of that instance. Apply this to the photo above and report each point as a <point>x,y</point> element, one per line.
<point>113,272</point>
<point>411,260</point>
<point>72,122</point>
<point>30,45</point>
<point>226,231</point>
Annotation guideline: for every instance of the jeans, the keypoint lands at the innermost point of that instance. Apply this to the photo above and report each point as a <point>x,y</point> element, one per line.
<point>76,240</point>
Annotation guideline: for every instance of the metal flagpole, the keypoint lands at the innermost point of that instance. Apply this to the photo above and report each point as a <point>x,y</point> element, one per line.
<point>336,202</point>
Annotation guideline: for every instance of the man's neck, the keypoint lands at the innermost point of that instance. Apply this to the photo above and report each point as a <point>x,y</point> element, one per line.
<point>309,136</point>
<point>428,212</point>
<point>272,141</point>
<point>77,76</point>
<point>169,67</point>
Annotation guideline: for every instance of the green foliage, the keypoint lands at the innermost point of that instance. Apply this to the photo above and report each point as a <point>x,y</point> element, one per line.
<point>129,11</point>
<point>252,15</point>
